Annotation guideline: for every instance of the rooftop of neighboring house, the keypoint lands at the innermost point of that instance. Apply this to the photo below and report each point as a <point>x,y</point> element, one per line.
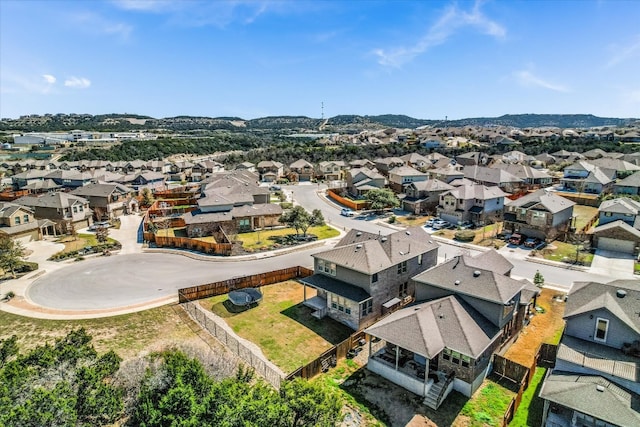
<point>388,160</point>
<point>7,210</point>
<point>617,224</point>
<point>431,185</point>
<point>406,171</point>
<point>359,163</point>
<point>592,395</point>
<point>594,153</point>
<point>522,171</point>
<point>371,253</point>
<point>415,158</point>
<point>614,164</point>
<point>632,180</point>
<point>542,199</point>
<point>369,173</point>
<point>199,217</point>
<point>269,164</point>
<point>57,200</point>
<point>459,182</point>
<point>492,175</point>
<point>339,163</point>
<point>476,191</point>
<point>478,278</point>
<point>101,189</point>
<point>429,327</point>
<point>622,205</point>
<point>299,164</point>
<point>44,185</point>
<point>619,297</point>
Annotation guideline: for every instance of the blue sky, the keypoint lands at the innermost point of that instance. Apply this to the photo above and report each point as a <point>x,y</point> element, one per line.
<point>426,59</point>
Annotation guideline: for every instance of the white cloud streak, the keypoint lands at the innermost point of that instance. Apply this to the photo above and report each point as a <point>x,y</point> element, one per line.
<point>77,82</point>
<point>624,53</point>
<point>528,79</point>
<point>96,24</point>
<point>49,78</point>
<point>450,22</point>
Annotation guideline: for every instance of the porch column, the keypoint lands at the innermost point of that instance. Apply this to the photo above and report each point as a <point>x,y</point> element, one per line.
<point>397,356</point>
<point>369,346</point>
<point>426,376</point>
<point>304,292</point>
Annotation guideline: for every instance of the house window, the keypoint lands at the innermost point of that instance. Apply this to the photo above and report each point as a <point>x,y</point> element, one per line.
<point>366,307</point>
<point>402,267</point>
<point>466,361</point>
<point>25,218</point>
<point>340,303</point>
<point>608,214</point>
<point>539,214</point>
<point>374,277</point>
<point>446,354</point>
<point>602,326</point>
<point>402,290</point>
<point>80,208</point>
<point>75,209</point>
<point>17,219</point>
<point>455,357</point>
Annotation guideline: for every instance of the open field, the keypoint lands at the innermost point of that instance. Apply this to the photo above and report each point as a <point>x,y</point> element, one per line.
<point>281,325</point>
<point>263,239</point>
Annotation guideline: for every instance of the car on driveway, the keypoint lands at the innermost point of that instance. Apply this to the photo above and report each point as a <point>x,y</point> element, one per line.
<point>101,224</point>
<point>429,222</point>
<point>517,239</point>
<point>347,212</point>
<point>531,242</point>
<point>438,224</point>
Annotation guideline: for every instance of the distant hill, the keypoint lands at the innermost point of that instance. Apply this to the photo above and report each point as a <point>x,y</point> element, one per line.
<point>127,122</point>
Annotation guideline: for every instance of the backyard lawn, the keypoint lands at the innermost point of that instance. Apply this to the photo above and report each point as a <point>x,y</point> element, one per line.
<point>281,326</point>
<point>583,215</point>
<point>80,241</point>
<point>486,407</point>
<point>265,238</point>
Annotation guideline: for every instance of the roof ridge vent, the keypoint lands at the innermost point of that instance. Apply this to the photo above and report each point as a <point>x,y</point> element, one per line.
<point>358,246</point>
<point>457,282</point>
<point>383,239</point>
<point>358,233</point>
<point>476,273</point>
<point>621,293</point>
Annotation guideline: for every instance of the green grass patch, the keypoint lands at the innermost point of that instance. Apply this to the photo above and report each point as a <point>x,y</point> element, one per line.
<point>529,412</point>
<point>566,252</point>
<point>412,220</point>
<point>127,335</point>
<point>264,238</point>
<point>488,405</point>
<point>81,241</point>
<point>281,325</point>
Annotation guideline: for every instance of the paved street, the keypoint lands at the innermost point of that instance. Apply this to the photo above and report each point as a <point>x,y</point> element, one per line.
<point>132,278</point>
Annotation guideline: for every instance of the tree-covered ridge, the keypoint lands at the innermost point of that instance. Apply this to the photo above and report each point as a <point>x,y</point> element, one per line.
<point>128,122</point>
<point>68,385</point>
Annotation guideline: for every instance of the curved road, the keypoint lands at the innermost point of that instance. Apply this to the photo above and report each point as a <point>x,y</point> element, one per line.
<point>137,278</point>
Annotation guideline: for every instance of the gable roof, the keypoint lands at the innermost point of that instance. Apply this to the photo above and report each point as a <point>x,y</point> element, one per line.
<point>588,296</point>
<point>428,328</point>
<point>632,180</point>
<point>613,225</point>
<point>101,189</point>
<point>623,205</point>
<point>431,185</point>
<point>476,191</point>
<point>406,171</point>
<point>522,171</point>
<point>492,175</point>
<point>52,200</point>
<point>592,395</point>
<point>464,275</point>
<point>370,253</point>
<point>301,163</point>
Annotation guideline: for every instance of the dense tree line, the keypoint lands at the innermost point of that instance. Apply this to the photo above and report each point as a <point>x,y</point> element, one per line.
<point>69,384</point>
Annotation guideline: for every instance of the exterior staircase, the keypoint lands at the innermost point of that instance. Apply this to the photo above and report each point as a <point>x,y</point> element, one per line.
<point>437,392</point>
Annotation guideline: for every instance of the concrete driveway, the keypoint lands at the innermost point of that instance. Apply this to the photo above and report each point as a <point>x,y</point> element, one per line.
<point>616,265</point>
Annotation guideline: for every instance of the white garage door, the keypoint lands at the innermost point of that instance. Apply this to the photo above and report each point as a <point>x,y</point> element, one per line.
<point>609,244</point>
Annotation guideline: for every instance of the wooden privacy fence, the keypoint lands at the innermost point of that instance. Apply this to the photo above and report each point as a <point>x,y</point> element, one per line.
<point>352,204</point>
<point>242,348</point>
<point>256,280</point>
<point>522,375</point>
<point>188,243</point>
<point>328,358</point>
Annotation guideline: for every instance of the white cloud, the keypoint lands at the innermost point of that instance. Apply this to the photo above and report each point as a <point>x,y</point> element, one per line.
<point>77,82</point>
<point>624,53</point>
<point>450,22</point>
<point>96,24</point>
<point>49,78</point>
<point>527,78</point>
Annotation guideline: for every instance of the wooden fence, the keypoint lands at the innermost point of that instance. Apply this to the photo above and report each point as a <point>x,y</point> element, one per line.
<point>256,280</point>
<point>352,204</point>
<point>328,358</point>
<point>191,244</point>
<point>522,375</point>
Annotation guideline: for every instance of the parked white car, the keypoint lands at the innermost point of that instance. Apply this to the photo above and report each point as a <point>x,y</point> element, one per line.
<point>347,212</point>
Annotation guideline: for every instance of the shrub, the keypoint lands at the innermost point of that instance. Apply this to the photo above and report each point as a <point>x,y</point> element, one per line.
<point>465,235</point>
<point>286,205</point>
<point>392,219</point>
<point>27,266</point>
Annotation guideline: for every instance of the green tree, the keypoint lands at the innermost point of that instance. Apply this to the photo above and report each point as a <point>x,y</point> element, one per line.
<point>102,234</point>
<point>147,197</point>
<point>310,405</point>
<point>8,348</point>
<point>297,218</point>
<point>11,254</point>
<point>382,198</point>
<point>538,279</point>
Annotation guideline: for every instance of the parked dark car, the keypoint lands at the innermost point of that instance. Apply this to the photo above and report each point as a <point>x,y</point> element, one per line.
<point>517,239</point>
<point>532,242</point>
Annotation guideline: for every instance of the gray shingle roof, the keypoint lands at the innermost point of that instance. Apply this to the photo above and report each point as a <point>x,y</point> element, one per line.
<point>593,395</point>
<point>492,175</point>
<point>371,253</point>
<point>456,275</point>
<point>622,205</point>
<point>338,287</point>
<point>630,181</point>
<point>477,191</point>
<point>589,296</point>
<point>52,200</point>
<point>431,185</point>
<point>428,328</point>
<point>101,190</point>
<point>545,199</point>
<point>615,224</point>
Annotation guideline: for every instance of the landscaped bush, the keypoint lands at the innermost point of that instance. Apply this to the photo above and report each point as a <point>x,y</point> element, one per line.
<point>26,267</point>
<point>465,235</point>
<point>286,205</point>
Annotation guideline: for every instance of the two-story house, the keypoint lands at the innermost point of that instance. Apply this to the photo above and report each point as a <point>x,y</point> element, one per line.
<point>493,177</point>
<point>270,170</point>
<point>540,214</point>
<point>19,222</point>
<point>384,165</point>
<point>423,196</point>
<point>402,176</point>
<point>618,227</point>
<point>596,378</point>
<point>447,172</point>
<point>301,171</point>
<point>476,203</point>
<point>532,179</point>
<point>417,161</point>
<point>366,275</point>
<point>467,307</point>
<point>108,200</point>
<point>628,186</point>
<point>361,180</point>
<point>59,206</point>
<point>332,170</point>
<point>139,181</point>
<point>584,177</point>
